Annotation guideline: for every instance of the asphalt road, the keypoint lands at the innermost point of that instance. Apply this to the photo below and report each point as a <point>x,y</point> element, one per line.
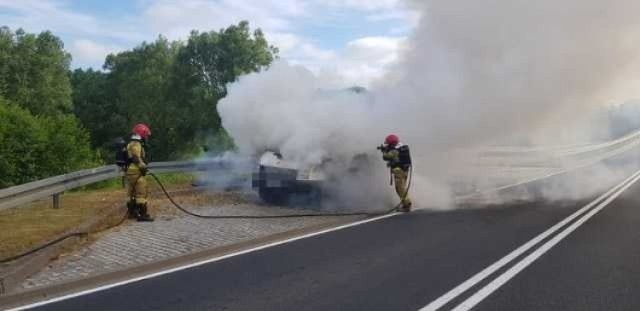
<point>595,268</point>
<point>407,261</point>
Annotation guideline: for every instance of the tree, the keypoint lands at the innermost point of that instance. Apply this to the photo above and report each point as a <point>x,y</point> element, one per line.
<point>137,84</point>
<point>172,86</point>
<point>6,45</point>
<point>39,136</point>
<point>94,105</point>
<point>34,70</point>
<point>22,141</point>
<point>202,70</point>
<point>214,59</point>
<point>67,146</point>
<point>38,147</point>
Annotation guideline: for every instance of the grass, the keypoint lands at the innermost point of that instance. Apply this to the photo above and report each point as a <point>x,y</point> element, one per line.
<point>116,183</point>
<point>27,226</point>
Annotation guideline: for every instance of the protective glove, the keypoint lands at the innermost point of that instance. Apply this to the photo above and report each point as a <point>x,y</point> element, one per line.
<point>144,170</point>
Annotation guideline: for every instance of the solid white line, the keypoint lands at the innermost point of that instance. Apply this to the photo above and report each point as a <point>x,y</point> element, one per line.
<point>517,268</point>
<point>199,263</point>
<point>466,285</point>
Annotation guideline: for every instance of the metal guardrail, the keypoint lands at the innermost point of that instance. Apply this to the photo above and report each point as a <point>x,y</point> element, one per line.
<point>554,151</point>
<point>53,186</point>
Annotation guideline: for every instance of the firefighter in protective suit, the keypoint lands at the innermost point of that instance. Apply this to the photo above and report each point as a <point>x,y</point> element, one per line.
<point>398,160</point>
<point>136,172</point>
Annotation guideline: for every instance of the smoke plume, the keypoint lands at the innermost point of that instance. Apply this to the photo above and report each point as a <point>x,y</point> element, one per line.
<point>473,73</point>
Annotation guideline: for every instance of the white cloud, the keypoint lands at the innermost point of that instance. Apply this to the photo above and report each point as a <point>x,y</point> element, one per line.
<point>57,16</point>
<point>90,37</point>
<point>365,5</point>
<point>314,53</point>
<point>410,17</point>
<point>87,53</point>
<point>375,44</point>
<point>49,10</point>
<point>176,19</point>
<point>361,62</point>
<point>366,59</point>
<point>308,54</point>
<point>284,41</point>
<point>275,18</point>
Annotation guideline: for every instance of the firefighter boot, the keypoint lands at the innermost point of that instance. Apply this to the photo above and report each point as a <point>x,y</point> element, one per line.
<point>406,207</point>
<point>132,209</point>
<point>144,215</point>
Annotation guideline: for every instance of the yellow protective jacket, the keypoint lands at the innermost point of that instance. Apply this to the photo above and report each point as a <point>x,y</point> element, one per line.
<point>136,153</point>
<point>392,156</point>
<point>400,173</point>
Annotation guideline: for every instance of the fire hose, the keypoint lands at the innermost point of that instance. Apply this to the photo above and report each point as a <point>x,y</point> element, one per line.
<point>184,210</point>
<point>60,239</point>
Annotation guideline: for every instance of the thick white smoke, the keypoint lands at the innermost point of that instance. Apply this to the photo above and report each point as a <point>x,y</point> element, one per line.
<point>287,109</point>
<point>480,69</point>
<point>474,72</point>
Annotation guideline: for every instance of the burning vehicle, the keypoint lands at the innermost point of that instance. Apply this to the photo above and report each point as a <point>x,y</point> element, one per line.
<point>280,181</point>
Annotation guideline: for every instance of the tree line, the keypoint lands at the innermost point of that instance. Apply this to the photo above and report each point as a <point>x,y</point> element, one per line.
<point>54,120</point>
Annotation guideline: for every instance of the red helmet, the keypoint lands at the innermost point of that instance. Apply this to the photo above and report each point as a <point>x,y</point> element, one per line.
<point>392,140</point>
<point>142,130</point>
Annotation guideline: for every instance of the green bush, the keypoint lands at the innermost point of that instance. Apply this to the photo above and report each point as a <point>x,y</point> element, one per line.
<point>22,141</point>
<point>38,147</point>
<point>67,146</point>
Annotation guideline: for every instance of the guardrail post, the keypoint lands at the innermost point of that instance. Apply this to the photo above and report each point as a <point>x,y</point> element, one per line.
<point>56,201</point>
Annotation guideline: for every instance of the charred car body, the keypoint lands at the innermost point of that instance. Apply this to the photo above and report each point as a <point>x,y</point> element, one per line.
<point>279,182</point>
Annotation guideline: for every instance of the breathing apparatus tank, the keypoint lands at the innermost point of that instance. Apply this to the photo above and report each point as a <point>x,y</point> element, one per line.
<point>121,154</point>
<point>404,157</point>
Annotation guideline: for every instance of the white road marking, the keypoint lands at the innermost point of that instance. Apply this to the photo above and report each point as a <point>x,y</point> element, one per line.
<point>466,285</point>
<point>199,263</point>
<point>440,301</point>
<point>517,268</point>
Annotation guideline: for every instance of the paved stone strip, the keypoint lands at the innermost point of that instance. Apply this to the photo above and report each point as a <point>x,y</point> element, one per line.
<point>136,243</point>
<point>174,234</point>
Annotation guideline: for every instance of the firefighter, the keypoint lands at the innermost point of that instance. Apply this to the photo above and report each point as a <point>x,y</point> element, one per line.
<point>136,172</point>
<point>398,160</point>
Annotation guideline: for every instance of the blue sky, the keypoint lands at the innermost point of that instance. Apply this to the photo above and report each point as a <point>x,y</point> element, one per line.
<point>356,38</point>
